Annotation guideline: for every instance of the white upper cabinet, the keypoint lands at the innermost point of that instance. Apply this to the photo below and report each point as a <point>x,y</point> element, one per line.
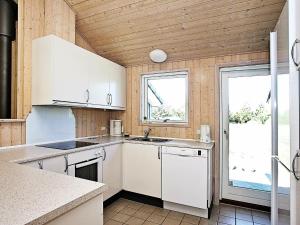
<point>117,86</point>
<point>65,74</point>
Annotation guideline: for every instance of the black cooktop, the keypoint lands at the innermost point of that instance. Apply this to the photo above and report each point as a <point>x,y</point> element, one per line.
<point>66,145</point>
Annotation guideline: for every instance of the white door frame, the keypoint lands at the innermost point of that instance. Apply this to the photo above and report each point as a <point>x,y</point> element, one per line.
<point>257,197</point>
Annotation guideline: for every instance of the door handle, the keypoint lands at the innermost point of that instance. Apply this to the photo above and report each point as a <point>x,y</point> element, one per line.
<point>225,132</point>
<point>297,41</point>
<point>297,155</point>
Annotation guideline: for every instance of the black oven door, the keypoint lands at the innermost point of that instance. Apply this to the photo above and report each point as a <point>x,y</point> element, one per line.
<point>90,170</point>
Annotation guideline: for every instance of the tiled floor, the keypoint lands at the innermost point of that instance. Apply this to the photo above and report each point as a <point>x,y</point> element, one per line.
<point>133,213</point>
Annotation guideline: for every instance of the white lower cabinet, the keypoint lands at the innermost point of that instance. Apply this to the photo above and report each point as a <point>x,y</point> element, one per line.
<point>55,164</point>
<point>112,169</point>
<point>142,169</point>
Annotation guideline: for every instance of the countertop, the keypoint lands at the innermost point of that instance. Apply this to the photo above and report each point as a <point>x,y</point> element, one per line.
<point>29,153</point>
<point>31,196</point>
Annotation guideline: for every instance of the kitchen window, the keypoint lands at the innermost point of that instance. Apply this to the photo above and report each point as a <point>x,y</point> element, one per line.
<point>165,97</point>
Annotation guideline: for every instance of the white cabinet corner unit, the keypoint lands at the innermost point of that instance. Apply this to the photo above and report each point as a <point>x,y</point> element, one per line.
<point>65,74</point>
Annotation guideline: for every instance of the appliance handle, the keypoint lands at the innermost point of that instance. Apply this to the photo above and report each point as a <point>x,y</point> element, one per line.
<point>191,156</point>
<point>83,164</point>
<point>104,156</point>
<point>67,164</point>
<point>158,152</point>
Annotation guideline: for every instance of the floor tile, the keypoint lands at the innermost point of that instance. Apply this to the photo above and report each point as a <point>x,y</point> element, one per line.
<point>175,215</point>
<point>161,212</point>
<point>191,219</point>
<point>142,215</point>
<point>112,222</point>
<point>243,222</point>
<point>243,211</point>
<point>149,223</point>
<point>148,208</point>
<point>156,218</point>
<point>135,221</point>
<point>120,217</point>
<point>228,213</point>
<point>247,217</point>
<point>185,223</point>
<point>169,221</point>
<point>260,214</point>
<point>226,220</point>
<point>261,220</point>
<point>128,211</point>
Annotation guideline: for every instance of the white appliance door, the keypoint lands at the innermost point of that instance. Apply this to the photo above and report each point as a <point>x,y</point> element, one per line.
<point>294,46</point>
<point>184,180</point>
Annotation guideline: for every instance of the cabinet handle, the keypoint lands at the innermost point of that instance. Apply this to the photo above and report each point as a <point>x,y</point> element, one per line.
<point>107,99</point>
<point>88,95</point>
<point>158,152</point>
<point>67,164</point>
<point>110,99</point>
<point>40,164</point>
<point>104,156</point>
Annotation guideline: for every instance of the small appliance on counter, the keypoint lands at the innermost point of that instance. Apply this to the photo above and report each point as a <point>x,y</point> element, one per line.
<point>205,134</point>
<point>116,127</point>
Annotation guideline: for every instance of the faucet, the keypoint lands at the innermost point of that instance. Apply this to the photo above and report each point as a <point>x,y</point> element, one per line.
<point>147,132</point>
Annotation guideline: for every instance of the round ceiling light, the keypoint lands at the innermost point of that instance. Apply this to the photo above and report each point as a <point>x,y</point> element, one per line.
<point>158,55</point>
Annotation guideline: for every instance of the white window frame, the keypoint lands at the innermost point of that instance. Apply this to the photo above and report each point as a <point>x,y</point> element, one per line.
<point>144,95</point>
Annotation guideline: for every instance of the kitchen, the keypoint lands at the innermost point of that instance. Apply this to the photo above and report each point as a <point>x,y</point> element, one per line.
<point>114,112</point>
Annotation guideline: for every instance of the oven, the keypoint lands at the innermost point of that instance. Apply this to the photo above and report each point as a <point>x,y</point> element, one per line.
<point>86,165</point>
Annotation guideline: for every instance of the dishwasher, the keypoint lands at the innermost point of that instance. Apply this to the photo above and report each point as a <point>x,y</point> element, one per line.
<point>185,177</point>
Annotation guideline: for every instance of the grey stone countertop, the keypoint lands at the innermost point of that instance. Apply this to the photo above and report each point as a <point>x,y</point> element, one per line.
<point>31,196</point>
<point>29,153</point>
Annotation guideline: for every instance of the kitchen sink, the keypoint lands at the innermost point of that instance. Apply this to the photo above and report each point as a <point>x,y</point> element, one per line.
<point>148,139</point>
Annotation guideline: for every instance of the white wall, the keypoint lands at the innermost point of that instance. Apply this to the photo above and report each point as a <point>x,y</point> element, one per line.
<point>50,123</point>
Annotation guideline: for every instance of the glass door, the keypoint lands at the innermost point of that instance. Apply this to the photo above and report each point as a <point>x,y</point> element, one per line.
<point>246,135</point>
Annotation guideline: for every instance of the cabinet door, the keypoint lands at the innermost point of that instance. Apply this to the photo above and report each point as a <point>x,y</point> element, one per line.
<point>34,164</point>
<point>117,86</point>
<point>56,164</point>
<point>112,170</point>
<point>99,81</point>
<point>142,169</point>
<point>70,71</point>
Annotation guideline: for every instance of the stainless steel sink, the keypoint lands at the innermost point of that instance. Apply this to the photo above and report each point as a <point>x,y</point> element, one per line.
<point>148,139</point>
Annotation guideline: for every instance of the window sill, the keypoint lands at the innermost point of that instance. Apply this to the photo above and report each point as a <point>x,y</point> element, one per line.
<point>162,124</point>
<point>12,120</point>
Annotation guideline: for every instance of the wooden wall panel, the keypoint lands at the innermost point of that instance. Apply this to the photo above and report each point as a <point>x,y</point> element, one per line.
<point>203,98</point>
<point>12,133</point>
<point>38,18</point>
<point>82,42</point>
<point>90,121</point>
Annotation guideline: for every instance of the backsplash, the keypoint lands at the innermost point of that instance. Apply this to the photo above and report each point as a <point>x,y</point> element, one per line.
<point>50,123</point>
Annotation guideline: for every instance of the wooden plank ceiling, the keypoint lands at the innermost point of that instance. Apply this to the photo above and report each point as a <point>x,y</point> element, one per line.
<point>125,31</point>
